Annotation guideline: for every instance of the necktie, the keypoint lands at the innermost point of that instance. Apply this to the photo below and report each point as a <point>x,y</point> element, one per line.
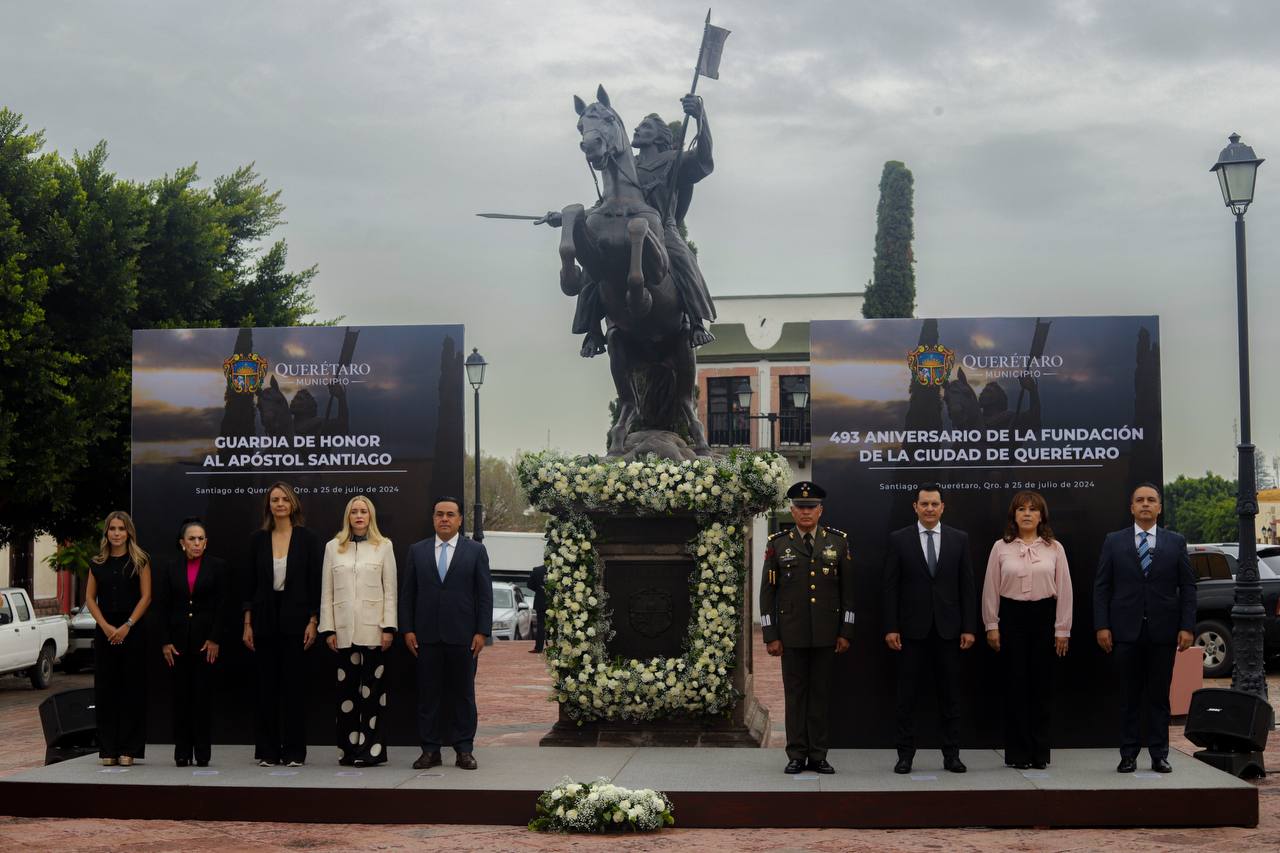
<point>808,541</point>
<point>930,554</point>
<point>442,565</point>
<point>1144,553</point>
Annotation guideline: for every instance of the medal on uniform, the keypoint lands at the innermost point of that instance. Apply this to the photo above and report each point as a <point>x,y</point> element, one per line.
<point>826,570</point>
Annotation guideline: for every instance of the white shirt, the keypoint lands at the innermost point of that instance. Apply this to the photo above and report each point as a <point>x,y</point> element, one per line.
<point>453,547</point>
<point>1151,536</point>
<point>924,540</point>
<point>278,566</point>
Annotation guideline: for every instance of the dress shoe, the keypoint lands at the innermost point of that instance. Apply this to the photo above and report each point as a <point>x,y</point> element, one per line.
<point>954,764</point>
<point>108,762</point>
<point>794,766</point>
<point>903,766</point>
<point>821,766</point>
<point>344,761</point>
<point>427,760</point>
<point>1127,765</point>
<point>1039,765</point>
<point>1161,765</point>
<point>202,762</point>
<point>466,760</point>
<point>181,762</point>
<point>535,651</point>
<point>126,761</point>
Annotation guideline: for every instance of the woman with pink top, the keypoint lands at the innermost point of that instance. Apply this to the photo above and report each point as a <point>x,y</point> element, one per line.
<point>1026,607</point>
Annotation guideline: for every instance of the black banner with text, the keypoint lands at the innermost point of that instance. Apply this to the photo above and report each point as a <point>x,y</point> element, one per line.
<point>1068,406</point>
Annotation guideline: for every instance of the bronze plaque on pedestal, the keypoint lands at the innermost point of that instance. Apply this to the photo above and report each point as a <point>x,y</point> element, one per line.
<point>649,600</point>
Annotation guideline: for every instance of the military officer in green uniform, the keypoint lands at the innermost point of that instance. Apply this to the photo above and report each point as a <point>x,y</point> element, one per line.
<point>806,610</point>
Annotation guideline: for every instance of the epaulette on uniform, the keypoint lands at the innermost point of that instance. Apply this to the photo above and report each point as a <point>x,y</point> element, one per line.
<point>774,536</point>
<point>838,532</point>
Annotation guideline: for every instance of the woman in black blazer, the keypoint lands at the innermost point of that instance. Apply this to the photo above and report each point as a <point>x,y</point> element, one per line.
<point>193,603</point>
<point>281,606</point>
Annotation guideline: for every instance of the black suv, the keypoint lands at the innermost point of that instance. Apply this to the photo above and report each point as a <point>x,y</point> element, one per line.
<point>1215,570</point>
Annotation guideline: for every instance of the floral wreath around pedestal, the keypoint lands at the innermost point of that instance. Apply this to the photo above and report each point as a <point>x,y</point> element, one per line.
<point>724,493</point>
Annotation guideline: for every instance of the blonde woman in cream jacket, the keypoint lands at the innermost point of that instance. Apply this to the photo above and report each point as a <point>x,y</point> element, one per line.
<point>358,621</point>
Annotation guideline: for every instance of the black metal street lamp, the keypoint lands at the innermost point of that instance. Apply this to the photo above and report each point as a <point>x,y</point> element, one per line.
<point>798,398</point>
<point>475,375</point>
<point>1237,170</point>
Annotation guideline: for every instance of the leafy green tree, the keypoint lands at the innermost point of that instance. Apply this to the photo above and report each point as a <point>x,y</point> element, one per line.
<point>892,291</point>
<point>85,258</point>
<point>1202,508</point>
<point>505,504</point>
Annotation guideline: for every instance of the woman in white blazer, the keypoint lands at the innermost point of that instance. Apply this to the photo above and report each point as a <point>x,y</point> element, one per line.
<point>358,621</point>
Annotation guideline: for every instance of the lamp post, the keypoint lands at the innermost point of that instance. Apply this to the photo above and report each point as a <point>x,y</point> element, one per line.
<point>475,375</point>
<point>798,398</point>
<point>1237,170</point>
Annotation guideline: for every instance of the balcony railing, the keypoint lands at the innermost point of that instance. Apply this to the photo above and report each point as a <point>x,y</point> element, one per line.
<point>730,429</point>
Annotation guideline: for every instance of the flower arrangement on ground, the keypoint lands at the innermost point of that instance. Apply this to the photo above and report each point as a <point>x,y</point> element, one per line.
<point>600,806</point>
<point>723,494</point>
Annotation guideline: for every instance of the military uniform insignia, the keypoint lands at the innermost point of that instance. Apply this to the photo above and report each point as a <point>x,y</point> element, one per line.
<point>826,570</point>
<point>830,552</point>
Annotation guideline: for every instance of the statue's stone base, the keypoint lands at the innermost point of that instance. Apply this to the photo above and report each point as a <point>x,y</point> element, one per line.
<point>747,726</point>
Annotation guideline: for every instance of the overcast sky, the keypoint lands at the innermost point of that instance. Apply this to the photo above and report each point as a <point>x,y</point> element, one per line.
<point>1061,154</point>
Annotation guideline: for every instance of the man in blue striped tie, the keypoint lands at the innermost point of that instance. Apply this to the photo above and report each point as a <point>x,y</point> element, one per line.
<point>1144,608</point>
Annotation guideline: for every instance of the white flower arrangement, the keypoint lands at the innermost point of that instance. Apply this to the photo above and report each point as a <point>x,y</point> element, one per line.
<point>742,483</point>
<point>586,682</point>
<point>600,806</point>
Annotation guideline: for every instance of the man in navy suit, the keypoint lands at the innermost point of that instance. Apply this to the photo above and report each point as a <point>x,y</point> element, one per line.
<point>930,616</point>
<point>1144,607</point>
<point>446,611</point>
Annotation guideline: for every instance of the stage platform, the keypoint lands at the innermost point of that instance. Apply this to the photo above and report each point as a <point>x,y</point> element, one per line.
<point>710,788</point>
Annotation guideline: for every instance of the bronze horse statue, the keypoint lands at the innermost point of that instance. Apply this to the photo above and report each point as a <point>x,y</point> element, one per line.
<point>619,245</point>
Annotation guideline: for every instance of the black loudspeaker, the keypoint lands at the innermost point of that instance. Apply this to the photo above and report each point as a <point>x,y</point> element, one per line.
<point>70,724</point>
<point>1226,720</point>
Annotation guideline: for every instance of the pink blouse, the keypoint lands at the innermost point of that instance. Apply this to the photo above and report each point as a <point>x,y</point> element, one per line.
<point>193,569</point>
<point>1027,572</point>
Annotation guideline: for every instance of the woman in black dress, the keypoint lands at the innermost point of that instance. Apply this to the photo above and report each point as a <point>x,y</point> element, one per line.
<point>193,602</point>
<point>118,593</point>
<point>281,606</point>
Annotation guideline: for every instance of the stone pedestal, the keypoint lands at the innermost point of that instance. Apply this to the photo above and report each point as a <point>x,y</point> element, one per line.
<point>648,574</point>
<point>649,599</point>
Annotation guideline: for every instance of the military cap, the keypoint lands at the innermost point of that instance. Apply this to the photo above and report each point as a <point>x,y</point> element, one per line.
<point>806,493</point>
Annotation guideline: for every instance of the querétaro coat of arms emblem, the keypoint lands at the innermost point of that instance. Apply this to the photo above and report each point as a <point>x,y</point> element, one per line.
<point>931,365</point>
<point>245,373</point>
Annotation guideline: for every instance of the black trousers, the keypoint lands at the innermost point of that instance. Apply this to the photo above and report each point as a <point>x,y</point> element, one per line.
<point>1146,669</point>
<point>120,691</point>
<point>446,697</point>
<point>940,659</point>
<point>282,735</point>
<point>362,698</point>
<point>191,680</point>
<point>540,636</point>
<point>806,682</point>
<point>1027,658</point>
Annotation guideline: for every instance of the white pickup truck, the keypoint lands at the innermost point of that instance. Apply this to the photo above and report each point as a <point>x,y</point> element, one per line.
<point>29,644</point>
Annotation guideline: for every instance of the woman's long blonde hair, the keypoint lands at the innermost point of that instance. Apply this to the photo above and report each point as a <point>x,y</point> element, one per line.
<point>137,556</point>
<point>374,537</point>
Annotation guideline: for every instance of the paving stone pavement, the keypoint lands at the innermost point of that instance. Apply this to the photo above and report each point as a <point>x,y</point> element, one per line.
<point>511,694</point>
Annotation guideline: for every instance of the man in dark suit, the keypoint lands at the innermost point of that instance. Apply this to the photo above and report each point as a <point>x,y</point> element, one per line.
<point>931,614</point>
<point>806,611</point>
<point>1144,607</point>
<point>446,611</point>
<point>538,583</point>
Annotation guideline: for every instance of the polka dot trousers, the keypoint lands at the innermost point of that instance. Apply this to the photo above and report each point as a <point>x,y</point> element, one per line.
<point>361,700</point>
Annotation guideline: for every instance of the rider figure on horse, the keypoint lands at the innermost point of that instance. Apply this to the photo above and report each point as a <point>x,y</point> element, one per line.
<point>654,141</point>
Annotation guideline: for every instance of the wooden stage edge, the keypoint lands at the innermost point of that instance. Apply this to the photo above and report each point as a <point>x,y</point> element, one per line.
<point>995,797</point>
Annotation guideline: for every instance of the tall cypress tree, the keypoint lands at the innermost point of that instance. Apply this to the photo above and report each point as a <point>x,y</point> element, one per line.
<point>892,293</point>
